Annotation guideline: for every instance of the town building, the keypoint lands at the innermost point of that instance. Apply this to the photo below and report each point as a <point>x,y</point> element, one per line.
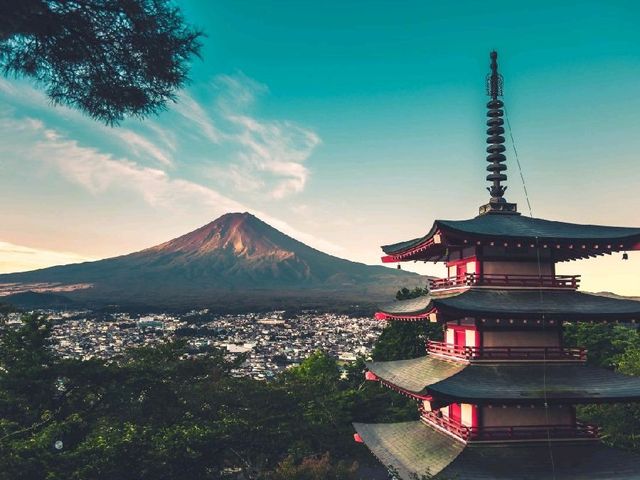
<point>497,398</point>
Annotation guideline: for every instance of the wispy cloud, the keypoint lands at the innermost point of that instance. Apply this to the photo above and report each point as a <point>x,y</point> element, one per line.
<point>98,173</point>
<point>25,93</point>
<point>136,143</point>
<point>238,90</point>
<point>191,110</point>
<point>276,149</point>
<point>167,137</point>
<point>269,154</point>
<point>256,155</point>
<point>102,174</point>
<point>18,258</point>
<point>142,146</point>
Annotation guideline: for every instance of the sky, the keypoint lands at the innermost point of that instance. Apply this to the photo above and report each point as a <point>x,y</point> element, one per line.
<point>346,124</point>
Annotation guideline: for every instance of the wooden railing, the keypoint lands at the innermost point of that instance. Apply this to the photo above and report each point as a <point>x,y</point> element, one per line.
<point>532,432</point>
<point>506,280</point>
<point>455,428</point>
<point>507,353</point>
<point>517,432</point>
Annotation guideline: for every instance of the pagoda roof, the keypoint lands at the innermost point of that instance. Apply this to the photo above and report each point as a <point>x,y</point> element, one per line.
<point>515,227</point>
<point>414,450</point>
<point>416,374</point>
<point>527,304</point>
<point>410,447</point>
<point>506,383</point>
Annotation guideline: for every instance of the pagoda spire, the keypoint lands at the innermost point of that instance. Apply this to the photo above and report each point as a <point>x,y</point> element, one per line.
<point>495,141</point>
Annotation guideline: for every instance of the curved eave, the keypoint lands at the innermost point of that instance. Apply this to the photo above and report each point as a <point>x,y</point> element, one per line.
<point>415,450</point>
<point>429,248</point>
<point>406,393</point>
<point>414,375</point>
<point>541,305</point>
<point>532,304</point>
<point>449,381</point>
<point>414,309</point>
<point>517,227</point>
<point>412,449</point>
<point>563,249</point>
<point>569,241</point>
<point>555,384</point>
<point>399,247</point>
<point>409,318</point>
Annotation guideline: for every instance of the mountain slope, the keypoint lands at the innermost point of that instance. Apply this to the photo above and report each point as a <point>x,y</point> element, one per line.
<point>235,255</point>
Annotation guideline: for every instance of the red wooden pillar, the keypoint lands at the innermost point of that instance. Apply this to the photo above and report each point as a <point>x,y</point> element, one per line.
<point>479,268</point>
<point>455,412</point>
<point>475,416</point>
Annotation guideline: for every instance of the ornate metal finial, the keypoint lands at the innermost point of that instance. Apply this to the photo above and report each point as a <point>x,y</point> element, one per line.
<point>496,147</point>
<point>494,79</point>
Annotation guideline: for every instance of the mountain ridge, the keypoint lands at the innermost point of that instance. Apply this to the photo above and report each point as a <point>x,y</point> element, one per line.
<point>236,255</point>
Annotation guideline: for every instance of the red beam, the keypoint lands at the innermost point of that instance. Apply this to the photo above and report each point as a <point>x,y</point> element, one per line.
<point>411,318</point>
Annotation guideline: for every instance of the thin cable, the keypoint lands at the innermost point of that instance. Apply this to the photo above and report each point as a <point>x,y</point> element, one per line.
<point>539,262</point>
<point>544,365</point>
<point>515,153</point>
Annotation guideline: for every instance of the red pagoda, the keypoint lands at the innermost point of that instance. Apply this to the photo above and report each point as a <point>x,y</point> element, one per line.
<point>497,397</point>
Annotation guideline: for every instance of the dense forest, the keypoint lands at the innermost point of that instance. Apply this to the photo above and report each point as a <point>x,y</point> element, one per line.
<point>155,414</point>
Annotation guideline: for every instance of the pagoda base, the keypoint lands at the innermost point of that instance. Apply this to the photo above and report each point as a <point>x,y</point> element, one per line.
<point>414,450</point>
<point>499,207</point>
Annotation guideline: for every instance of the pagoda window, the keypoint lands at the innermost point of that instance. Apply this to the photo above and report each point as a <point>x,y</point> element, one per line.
<point>460,254</point>
<point>462,335</point>
<point>460,268</point>
<point>517,268</point>
<point>450,336</point>
<point>521,253</point>
<point>524,415</point>
<point>463,413</point>
<point>521,338</point>
<point>468,415</point>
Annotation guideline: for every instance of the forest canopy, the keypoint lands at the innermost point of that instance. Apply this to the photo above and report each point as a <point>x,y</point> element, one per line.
<point>154,413</point>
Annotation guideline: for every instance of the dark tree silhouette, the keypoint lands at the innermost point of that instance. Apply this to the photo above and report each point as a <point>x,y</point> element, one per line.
<point>109,58</point>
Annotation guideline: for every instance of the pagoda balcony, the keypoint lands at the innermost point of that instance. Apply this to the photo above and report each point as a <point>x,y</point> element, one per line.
<point>475,354</point>
<point>578,431</point>
<point>566,282</point>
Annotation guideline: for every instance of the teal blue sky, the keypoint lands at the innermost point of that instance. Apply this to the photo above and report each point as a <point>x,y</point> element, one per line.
<point>346,124</point>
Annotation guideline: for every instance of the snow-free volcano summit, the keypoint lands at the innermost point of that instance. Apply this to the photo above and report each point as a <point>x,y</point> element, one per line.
<point>236,259</point>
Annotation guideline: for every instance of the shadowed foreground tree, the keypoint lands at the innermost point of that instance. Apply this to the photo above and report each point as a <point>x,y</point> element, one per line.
<point>314,468</point>
<point>614,347</point>
<point>155,413</point>
<point>109,58</point>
